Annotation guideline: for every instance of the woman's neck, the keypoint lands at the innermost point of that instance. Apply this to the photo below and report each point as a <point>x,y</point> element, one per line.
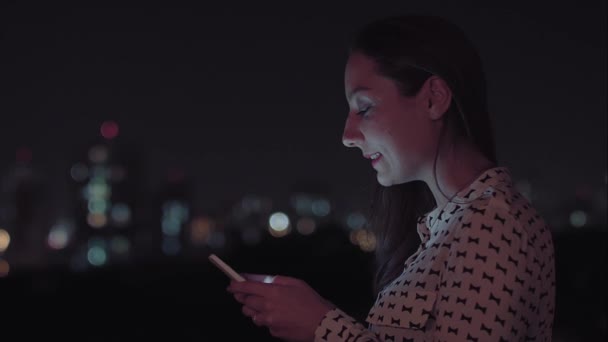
<point>458,165</point>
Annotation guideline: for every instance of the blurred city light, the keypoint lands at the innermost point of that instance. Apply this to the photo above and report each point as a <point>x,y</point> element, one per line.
<point>365,239</point>
<point>175,215</point>
<point>200,229</point>
<point>99,174</point>
<point>98,154</point>
<point>171,226</point>
<point>60,234</point>
<point>97,256</point>
<point>58,238</point>
<point>321,207</point>
<point>98,206</point>
<point>5,240</point>
<point>279,224</point>
<point>109,129</point>
<point>306,225</point>
<point>302,204</point>
<point>355,221</point>
<point>4,268</point>
<point>578,218</point>
<point>120,214</point>
<point>97,190</point>
<point>97,220</point>
<point>278,221</point>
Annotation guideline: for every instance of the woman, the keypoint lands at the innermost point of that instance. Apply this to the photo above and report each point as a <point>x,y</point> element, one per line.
<point>462,255</point>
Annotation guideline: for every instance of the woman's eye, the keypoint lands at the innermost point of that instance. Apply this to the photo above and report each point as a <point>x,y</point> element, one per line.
<point>363,111</point>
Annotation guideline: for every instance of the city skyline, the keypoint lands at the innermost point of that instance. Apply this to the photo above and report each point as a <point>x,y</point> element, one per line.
<point>244,101</point>
<point>108,217</point>
<point>247,100</point>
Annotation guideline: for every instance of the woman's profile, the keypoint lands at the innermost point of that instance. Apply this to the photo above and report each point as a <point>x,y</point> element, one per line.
<point>461,254</point>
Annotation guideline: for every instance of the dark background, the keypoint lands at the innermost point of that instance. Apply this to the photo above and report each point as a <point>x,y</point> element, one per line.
<point>219,103</point>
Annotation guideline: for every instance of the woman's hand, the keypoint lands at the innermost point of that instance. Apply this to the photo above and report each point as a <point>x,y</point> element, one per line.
<point>290,308</point>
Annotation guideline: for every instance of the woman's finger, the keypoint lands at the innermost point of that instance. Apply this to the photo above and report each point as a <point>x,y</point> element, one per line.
<point>247,311</point>
<point>252,288</point>
<point>276,332</point>
<point>255,316</point>
<point>240,297</point>
<point>256,303</point>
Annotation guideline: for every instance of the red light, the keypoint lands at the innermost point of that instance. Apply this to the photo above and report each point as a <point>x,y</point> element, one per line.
<point>109,129</point>
<point>24,155</point>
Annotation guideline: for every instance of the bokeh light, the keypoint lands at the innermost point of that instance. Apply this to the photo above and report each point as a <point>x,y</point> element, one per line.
<point>97,190</point>
<point>58,238</point>
<point>97,220</point>
<point>306,226</point>
<point>355,221</point>
<point>109,130</point>
<point>98,154</point>
<point>97,256</point>
<point>120,214</point>
<point>200,229</point>
<point>4,268</point>
<point>365,239</point>
<point>321,207</point>
<point>5,240</point>
<point>60,234</point>
<point>98,206</point>
<point>303,204</point>
<point>171,226</point>
<point>278,221</point>
<point>578,218</point>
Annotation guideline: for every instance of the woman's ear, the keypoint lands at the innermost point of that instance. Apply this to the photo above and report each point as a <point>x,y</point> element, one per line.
<point>438,96</point>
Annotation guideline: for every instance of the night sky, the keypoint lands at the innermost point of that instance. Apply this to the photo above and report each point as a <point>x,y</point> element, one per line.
<point>248,98</point>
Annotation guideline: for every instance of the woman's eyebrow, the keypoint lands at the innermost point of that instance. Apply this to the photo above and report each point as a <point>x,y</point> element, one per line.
<point>356,90</point>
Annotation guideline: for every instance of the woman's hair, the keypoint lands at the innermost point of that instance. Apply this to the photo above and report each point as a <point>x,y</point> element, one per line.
<point>409,49</point>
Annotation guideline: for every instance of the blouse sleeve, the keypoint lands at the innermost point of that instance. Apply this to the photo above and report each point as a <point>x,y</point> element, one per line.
<point>338,326</point>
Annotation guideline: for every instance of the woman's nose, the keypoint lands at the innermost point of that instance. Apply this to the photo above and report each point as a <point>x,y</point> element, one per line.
<point>351,136</point>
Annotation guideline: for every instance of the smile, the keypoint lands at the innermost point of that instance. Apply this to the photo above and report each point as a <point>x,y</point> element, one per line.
<point>375,157</point>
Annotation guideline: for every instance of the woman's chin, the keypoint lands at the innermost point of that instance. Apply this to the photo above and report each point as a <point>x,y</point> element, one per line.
<point>384,181</point>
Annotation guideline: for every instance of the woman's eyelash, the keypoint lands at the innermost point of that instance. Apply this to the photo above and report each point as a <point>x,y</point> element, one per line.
<point>363,111</point>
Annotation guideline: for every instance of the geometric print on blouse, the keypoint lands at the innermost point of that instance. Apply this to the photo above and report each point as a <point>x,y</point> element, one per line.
<point>483,272</point>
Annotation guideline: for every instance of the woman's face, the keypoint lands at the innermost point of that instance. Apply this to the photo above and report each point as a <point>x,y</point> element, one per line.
<point>395,132</point>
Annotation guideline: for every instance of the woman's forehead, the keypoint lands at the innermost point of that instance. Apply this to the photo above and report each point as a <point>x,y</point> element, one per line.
<point>360,73</point>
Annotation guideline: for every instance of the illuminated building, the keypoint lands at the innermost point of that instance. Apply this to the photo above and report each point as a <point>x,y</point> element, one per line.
<point>104,181</point>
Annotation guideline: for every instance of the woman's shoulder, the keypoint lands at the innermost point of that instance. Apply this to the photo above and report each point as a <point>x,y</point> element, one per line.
<point>494,193</point>
<point>507,214</point>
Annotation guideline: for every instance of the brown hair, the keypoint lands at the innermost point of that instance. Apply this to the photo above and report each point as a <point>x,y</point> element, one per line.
<point>409,49</point>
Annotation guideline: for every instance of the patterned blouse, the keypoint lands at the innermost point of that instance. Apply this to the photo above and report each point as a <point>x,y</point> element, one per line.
<point>483,272</point>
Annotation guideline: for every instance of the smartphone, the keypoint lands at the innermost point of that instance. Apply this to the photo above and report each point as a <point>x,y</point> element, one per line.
<point>231,273</point>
